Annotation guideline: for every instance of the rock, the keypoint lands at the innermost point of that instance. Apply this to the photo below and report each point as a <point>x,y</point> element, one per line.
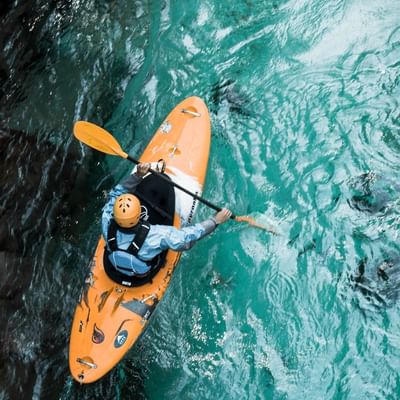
<point>379,280</point>
<point>372,193</point>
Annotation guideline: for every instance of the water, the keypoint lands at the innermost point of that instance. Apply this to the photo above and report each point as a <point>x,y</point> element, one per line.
<point>304,103</point>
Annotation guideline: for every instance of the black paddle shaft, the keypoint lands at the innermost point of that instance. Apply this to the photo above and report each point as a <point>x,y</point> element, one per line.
<point>170,182</point>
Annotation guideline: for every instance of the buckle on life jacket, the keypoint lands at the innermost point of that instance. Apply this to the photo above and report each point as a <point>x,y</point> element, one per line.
<point>141,230</point>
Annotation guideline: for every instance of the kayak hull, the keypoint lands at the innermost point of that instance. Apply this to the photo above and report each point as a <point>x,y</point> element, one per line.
<point>110,317</point>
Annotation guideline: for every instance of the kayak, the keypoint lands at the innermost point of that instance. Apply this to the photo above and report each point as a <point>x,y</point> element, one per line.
<point>114,310</point>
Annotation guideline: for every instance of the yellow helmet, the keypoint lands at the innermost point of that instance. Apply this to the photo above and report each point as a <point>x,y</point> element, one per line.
<point>127,210</point>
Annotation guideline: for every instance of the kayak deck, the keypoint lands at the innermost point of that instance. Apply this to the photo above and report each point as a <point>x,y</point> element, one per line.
<point>110,317</point>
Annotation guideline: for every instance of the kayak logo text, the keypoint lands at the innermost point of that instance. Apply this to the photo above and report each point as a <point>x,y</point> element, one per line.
<point>192,209</point>
<point>120,339</point>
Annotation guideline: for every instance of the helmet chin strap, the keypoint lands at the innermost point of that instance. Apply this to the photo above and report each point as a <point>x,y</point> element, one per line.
<point>144,215</point>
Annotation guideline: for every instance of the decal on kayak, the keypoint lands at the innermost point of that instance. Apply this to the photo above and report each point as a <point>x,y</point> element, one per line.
<point>166,127</point>
<point>120,339</point>
<point>98,335</point>
<point>185,205</point>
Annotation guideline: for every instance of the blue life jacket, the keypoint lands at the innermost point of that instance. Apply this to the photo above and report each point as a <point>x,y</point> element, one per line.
<point>127,261</point>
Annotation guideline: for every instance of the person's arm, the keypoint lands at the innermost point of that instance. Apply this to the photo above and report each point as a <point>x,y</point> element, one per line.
<point>133,180</point>
<point>185,238</point>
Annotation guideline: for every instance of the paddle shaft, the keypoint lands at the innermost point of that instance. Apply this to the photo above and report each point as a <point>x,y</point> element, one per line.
<point>170,182</point>
<point>101,140</point>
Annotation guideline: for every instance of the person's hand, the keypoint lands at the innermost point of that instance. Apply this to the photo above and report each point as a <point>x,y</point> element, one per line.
<point>222,216</point>
<point>142,169</point>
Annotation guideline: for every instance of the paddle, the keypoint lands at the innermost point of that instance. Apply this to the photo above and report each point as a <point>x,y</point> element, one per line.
<point>99,139</point>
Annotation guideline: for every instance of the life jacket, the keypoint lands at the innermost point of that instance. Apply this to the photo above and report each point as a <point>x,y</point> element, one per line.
<point>127,261</point>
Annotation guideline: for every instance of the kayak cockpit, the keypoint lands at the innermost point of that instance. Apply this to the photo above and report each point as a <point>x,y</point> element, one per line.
<point>157,199</point>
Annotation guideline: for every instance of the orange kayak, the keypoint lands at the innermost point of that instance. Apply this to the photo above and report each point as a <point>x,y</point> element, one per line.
<point>112,314</point>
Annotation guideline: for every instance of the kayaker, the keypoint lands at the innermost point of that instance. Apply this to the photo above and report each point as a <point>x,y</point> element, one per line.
<point>132,244</point>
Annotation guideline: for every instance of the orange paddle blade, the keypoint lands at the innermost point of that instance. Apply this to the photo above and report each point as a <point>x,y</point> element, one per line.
<point>98,138</point>
<point>252,222</point>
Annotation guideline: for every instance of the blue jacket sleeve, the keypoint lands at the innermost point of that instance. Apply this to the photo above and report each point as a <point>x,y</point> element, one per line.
<point>185,238</point>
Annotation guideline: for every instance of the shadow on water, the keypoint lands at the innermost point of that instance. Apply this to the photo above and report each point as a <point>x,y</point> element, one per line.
<point>377,277</point>
<point>126,381</point>
<point>22,22</point>
<point>379,280</point>
<point>372,193</point>
<point>39,201</point>
<point>56,64</point>
<point>48,79</point>
<point>228,91</point>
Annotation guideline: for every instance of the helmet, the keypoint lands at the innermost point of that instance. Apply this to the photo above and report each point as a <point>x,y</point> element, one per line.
<point>127,210</point>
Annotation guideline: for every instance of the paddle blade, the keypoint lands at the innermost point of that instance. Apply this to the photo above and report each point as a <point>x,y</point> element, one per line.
<point>98,138</point>
<point>252,222</point>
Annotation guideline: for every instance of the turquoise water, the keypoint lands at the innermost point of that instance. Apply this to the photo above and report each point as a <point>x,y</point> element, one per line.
<point>304,102</point>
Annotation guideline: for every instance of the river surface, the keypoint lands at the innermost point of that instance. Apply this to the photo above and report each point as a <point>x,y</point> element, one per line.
<point>304,101</point>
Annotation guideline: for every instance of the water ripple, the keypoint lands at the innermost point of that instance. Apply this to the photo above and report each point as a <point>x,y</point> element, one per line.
<point>304,105</point>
